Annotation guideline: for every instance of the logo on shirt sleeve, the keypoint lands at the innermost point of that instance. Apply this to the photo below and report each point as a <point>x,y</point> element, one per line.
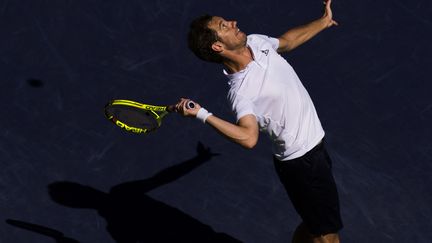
<point>265,51</point>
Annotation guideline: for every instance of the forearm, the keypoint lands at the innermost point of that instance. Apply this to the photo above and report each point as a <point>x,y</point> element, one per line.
<point>299,35</point>
<point>246,137</point>
<point>244,133</point>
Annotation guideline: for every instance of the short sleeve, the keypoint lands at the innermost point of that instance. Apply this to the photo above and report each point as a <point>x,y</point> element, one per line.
<point>241,106</point>
<point>274,42</point>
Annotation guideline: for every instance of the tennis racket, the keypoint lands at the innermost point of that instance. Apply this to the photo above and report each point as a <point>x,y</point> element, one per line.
<point>136,117</point>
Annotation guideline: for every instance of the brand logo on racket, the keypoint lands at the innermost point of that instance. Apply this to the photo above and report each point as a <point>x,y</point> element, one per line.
<point>154,108</point>
<point>130,129</point>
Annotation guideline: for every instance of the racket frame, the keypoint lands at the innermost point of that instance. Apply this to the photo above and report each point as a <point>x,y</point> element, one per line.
<point>158,112</point>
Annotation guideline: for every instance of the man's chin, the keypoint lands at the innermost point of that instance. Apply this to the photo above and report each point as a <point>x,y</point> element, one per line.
<point>244,39</point>
<point>242,36</point>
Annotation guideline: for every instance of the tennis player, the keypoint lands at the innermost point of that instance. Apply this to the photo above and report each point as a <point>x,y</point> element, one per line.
<point>266,95</point>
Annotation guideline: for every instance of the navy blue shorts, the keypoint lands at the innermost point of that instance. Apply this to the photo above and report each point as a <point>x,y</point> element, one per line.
<point>310,185</point>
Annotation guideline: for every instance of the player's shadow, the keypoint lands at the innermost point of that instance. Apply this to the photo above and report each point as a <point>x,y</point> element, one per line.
<point>133,216</point>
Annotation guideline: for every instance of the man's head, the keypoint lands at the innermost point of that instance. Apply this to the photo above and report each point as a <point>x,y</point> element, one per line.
<point>210,36</point>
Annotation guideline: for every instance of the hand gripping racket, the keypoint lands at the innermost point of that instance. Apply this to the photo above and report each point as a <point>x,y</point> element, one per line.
<point>137,117</point>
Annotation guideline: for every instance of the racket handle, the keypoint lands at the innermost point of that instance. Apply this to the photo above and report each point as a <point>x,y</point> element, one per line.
<point>189,105</point>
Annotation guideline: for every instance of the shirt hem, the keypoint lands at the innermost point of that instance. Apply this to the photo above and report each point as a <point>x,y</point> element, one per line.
<point>303,151</point>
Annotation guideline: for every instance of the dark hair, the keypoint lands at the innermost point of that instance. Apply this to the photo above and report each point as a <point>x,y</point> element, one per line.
<point>201,38</point>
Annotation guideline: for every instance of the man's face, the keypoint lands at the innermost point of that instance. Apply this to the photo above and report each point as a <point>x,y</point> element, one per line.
<point>229,35</point>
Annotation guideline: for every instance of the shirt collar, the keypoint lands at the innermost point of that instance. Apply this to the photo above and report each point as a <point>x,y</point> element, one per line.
<point>233,77</point>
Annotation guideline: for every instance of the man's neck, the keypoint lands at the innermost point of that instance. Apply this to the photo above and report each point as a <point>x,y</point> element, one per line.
<point>238,60</point>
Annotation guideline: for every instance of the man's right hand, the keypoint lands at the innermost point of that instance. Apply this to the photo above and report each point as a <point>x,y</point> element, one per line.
<point>181,108</point>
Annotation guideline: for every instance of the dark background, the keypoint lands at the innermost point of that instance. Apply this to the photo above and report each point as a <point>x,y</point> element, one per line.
<point>61,61</point>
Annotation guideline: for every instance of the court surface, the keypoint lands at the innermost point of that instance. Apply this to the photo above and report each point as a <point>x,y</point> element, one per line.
<point>66,173</point>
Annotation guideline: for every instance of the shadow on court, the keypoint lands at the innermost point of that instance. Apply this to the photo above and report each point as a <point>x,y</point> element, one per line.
<point>132,216</point>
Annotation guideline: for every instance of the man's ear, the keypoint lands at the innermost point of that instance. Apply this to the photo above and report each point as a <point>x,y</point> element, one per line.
<point>217,46</point>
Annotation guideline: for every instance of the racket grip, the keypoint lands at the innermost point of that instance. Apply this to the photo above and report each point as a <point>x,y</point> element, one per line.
<point>189,105</point>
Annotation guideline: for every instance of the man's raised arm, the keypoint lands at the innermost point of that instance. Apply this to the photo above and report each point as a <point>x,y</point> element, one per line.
<point>299,35</point>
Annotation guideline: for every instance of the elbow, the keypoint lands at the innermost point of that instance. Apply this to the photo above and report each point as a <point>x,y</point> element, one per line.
<point>248,137</point>
<point>250,143</point>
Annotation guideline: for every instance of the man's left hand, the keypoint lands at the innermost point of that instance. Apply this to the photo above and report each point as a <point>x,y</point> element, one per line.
<point>328,14</point>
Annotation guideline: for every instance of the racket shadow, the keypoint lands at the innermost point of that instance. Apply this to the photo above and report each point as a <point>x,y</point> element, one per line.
<point>52,233</point>
<point>132,216</point>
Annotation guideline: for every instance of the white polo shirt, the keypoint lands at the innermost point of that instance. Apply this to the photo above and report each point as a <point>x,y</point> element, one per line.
<point>270,89</point>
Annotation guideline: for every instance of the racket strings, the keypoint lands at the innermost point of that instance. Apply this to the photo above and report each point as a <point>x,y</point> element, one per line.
<point>133,117</point>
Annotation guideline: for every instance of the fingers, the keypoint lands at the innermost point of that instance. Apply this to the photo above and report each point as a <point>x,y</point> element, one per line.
<point>183,108</point>
<point>328,7</point>
<point>328,14</point>
<point>184,103</point>
<point>179,106</point>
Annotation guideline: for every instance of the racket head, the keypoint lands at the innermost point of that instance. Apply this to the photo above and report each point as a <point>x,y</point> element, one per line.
<point>135,117</point>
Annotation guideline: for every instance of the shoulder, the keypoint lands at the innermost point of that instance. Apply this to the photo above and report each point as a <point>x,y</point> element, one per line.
<point>260,40</point>
<point>258,37</point>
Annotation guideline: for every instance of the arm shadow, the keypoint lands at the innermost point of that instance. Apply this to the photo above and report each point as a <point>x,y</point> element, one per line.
<point>133,216</point>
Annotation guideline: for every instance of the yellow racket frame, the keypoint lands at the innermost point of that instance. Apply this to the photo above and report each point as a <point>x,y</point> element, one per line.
<point>158,112</point>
